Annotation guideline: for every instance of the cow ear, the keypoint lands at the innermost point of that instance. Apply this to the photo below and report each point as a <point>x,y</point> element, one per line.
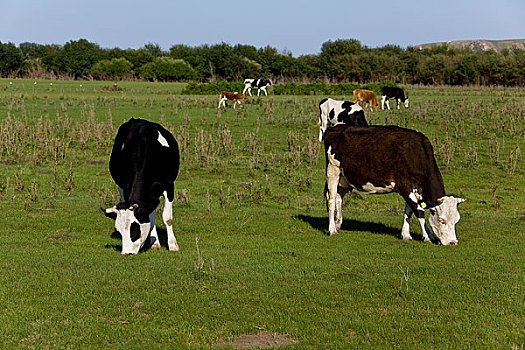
<point>133,207</point>
<point>441,200</point>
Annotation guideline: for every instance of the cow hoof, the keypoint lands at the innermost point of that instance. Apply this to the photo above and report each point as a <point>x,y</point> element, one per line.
<point>155,246</point>
<point>428,241</point>
<point>408,238</point>
<point>173,247</point>
<point>333,233</point>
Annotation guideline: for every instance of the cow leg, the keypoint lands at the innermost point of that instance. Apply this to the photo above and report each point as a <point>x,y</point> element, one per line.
<point>341,192</point>
<point>427,235</point>
<point>258,92</point>
<point>153,236</point>
<point>234,103</point>
<point>264,89</point>
<point>223,101</point>
<point>398,102</point>
<point>405,231</point>
<point>245,88</point>
<point>333,172</point>
<point>167,216</point>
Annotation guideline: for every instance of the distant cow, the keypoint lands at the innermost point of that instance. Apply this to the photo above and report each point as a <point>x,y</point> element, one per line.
<point>369,97</point>
<point>383,159</point>
<point>144,164</point>
<point>393,92</point>
<point>331,113</point>
<point>259,84</point>
<point>232,96</point>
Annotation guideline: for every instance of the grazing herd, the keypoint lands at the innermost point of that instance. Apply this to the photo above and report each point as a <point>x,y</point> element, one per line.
<point>144,164</point>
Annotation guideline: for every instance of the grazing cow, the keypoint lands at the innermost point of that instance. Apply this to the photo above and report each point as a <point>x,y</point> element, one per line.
<point>369,97</point>
<point>396,93</point>
<point>330,114</point>
<point>259,84</point>
<point>144,164</point>
<point>232,96</point>
<point>383,159</point>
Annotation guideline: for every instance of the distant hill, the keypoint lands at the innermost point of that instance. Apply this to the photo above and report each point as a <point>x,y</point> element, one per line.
<point>480,45</point>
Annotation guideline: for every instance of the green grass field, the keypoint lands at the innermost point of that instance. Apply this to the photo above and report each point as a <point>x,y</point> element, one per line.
<point>251,190</point>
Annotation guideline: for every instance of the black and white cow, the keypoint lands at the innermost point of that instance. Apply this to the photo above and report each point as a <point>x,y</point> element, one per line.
<point>383,159</point>
<point>396,93</point>
<point>259,84</point>
<point>334,112</point>
<point>144,164</point>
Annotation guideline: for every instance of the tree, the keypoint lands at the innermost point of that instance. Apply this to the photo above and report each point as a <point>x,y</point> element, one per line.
<point>11,59</point>
<point>77,57</point>
<point>153,49</point>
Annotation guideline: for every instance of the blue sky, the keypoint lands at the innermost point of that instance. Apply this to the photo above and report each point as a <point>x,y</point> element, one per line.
<point>297,26</point>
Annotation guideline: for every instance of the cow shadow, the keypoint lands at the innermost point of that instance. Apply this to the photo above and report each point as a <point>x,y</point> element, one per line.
<point>321,224</point>
<point>161,233</point>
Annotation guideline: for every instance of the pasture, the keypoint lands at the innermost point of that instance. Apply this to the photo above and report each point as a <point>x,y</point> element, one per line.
<point>249,196</point>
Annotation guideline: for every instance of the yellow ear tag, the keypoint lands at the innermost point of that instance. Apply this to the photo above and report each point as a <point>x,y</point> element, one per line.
<point>423,205</point>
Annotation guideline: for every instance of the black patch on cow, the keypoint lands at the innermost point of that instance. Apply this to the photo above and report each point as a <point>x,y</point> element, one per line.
<point>357,118</point>
<point>142,215</point>
<point>322,101</point>
<point>109,215</point>
<point>331,115</point>
<point>347,104</point>
<point>134,231</point>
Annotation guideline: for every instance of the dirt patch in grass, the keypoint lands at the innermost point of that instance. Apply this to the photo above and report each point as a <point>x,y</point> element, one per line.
<point>265,340</point>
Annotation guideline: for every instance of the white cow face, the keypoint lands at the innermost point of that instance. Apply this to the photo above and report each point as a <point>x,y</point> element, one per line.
<point>443,219</point>
<point>133,231</point>
<point>406,102</point>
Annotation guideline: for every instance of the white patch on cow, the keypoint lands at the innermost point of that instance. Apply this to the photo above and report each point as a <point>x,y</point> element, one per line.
<point>333,171</point>
<point>416,197</point>
<point>355,108</point>
<point>122,147</point>
<point>162,140</point>
<point>371,188</point>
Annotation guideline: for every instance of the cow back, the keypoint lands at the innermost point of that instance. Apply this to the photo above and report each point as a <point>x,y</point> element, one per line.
<point>144,160</point>
<point>384,154</point>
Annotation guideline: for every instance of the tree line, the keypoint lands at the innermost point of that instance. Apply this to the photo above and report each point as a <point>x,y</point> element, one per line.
<point>342,60</point>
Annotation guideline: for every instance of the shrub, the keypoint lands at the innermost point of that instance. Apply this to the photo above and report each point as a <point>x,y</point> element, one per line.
<point>167,69</point>
<point>116,68</point>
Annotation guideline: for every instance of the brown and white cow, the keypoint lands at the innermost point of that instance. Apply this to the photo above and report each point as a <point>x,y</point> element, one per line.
<point>232,96</point>
<point>369,97</point>
<point>383,159</point>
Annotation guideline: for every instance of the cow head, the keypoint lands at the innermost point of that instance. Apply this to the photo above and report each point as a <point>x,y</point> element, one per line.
<point>133,223</point>
<point>443,218</point>
<point>406,102</point>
